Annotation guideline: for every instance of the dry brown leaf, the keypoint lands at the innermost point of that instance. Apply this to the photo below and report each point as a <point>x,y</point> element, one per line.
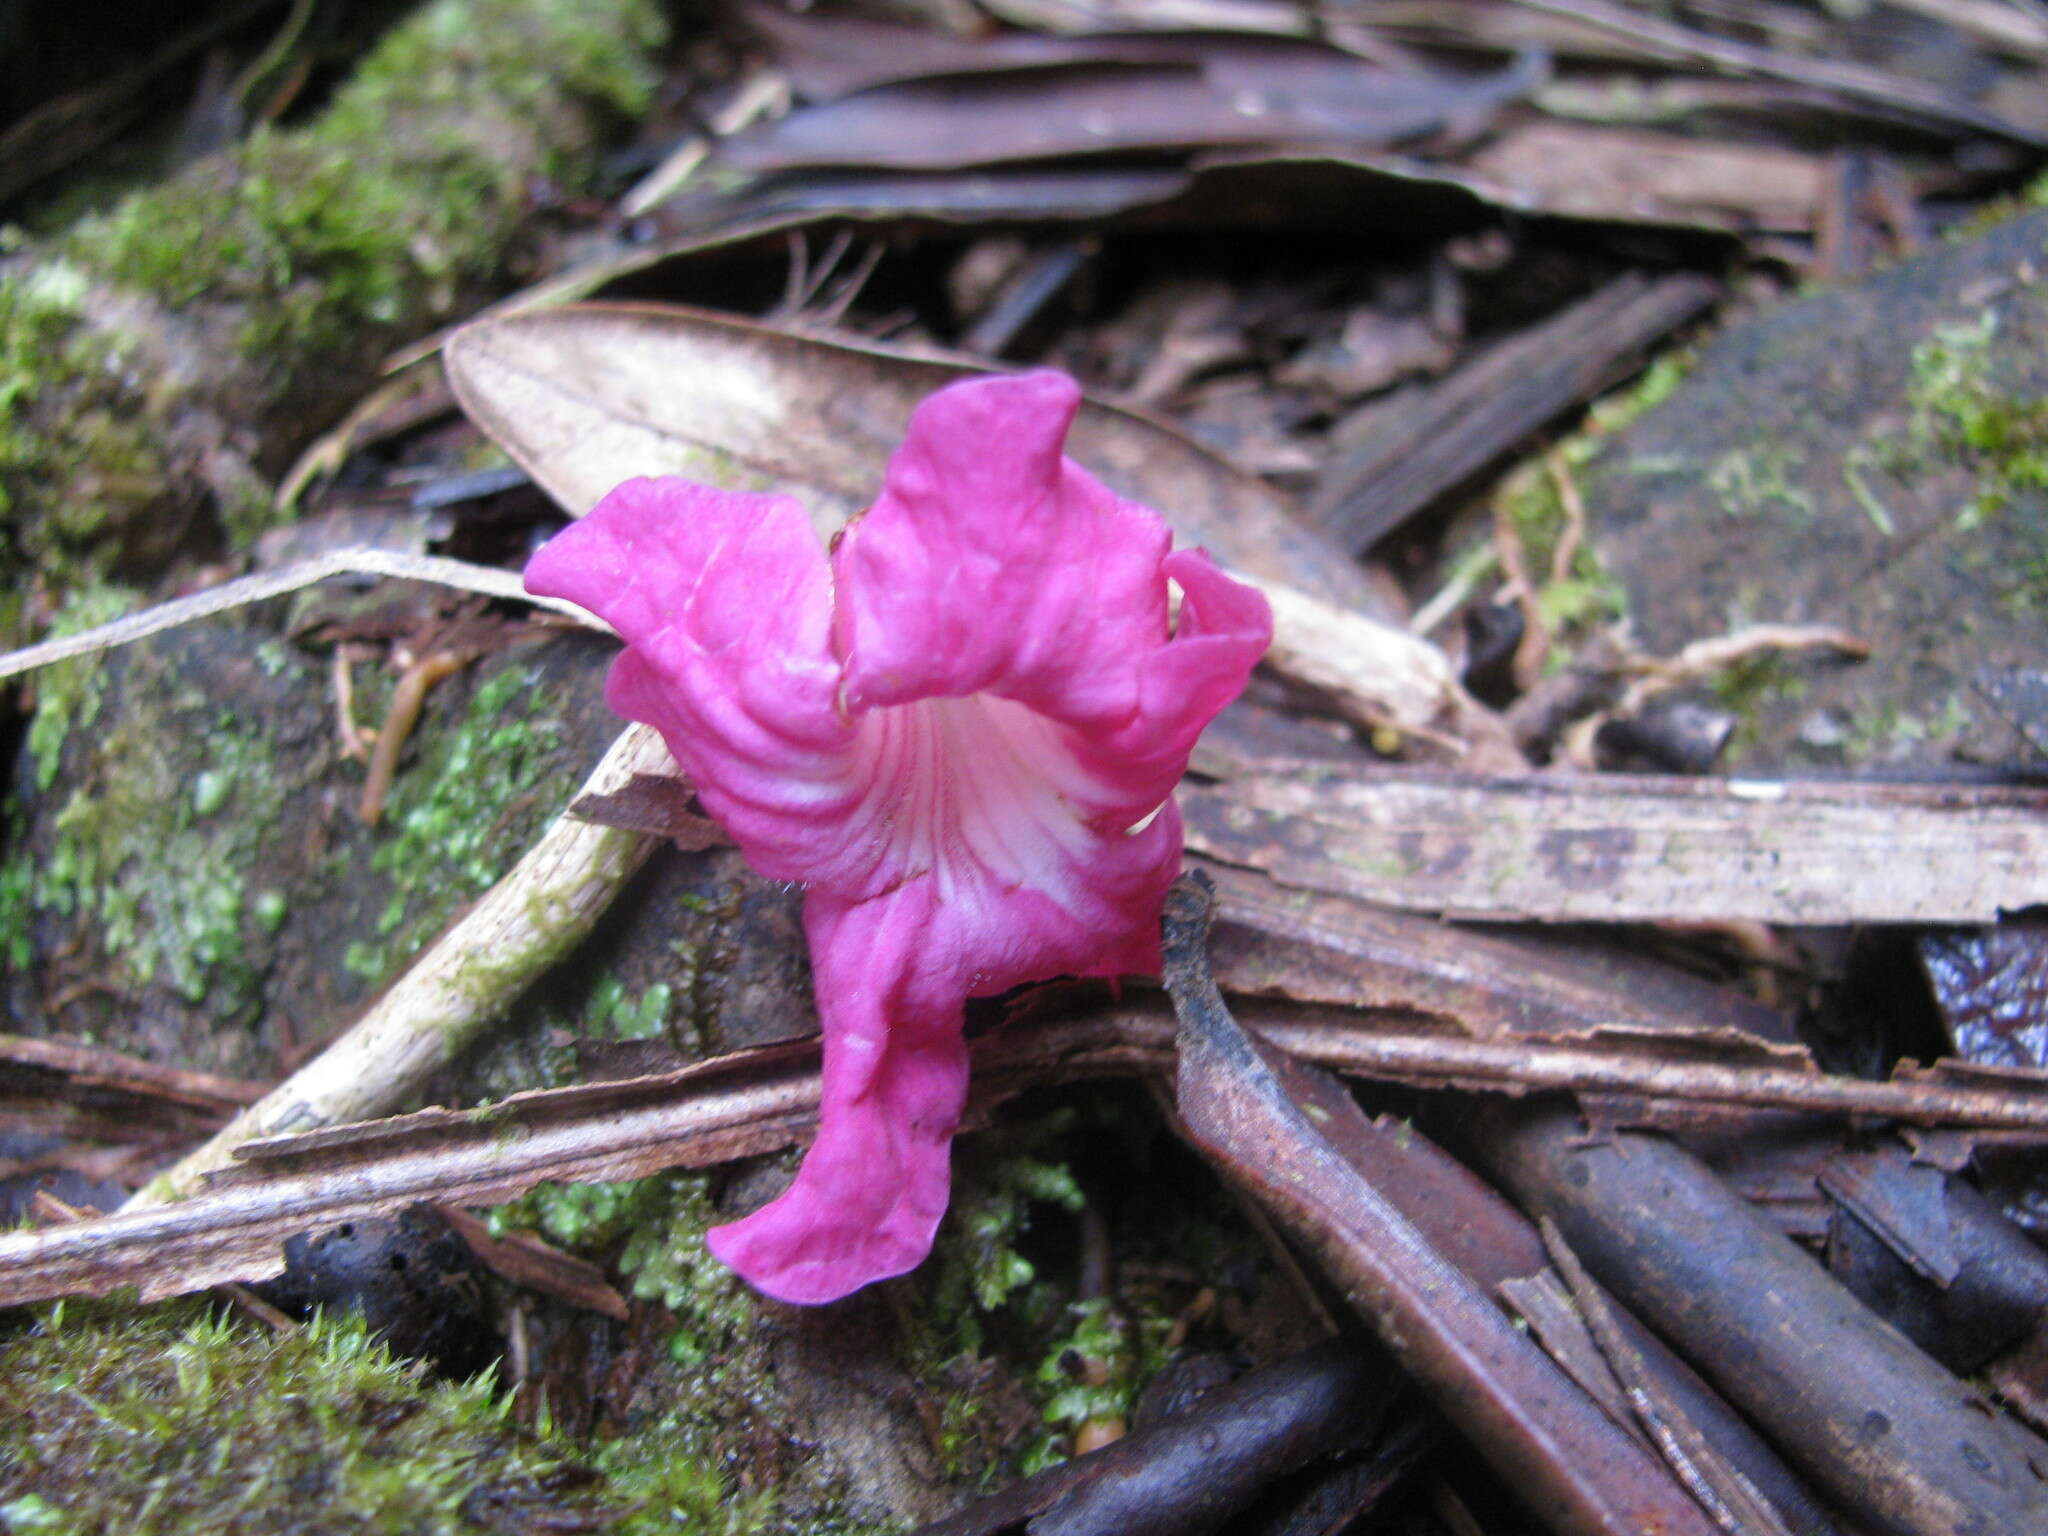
<point>589,395</point>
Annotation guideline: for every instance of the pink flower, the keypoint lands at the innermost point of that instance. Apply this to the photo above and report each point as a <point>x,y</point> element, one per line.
<point>960,731</point>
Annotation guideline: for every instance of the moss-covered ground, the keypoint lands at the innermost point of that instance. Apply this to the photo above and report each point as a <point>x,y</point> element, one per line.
<point>177,1420</point>
<point>263,283</point>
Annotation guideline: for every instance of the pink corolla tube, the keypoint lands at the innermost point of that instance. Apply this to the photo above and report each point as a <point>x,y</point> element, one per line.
<point>960,731</point>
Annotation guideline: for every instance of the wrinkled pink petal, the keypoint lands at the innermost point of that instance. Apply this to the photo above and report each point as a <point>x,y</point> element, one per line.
<point>991,564</point>
<point>962,735</point>
<point>725,602</point>
<point>873,1186</point>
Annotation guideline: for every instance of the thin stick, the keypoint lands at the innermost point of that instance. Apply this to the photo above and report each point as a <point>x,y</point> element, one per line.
<point>362,561</point>
<point>399,719</point>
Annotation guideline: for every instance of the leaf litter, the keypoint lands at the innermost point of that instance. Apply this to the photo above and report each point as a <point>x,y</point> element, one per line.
<point>582,397</point>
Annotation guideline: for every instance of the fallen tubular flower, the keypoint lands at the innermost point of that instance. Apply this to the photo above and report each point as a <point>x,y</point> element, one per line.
<point>960,730</point>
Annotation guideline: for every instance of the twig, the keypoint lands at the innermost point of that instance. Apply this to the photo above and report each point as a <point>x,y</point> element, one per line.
<point>765,1100</point>
<point>1704,658</point>
<point>364,561</point>
<point>1574,505</point>
<point>522,925</point>
<point>353,737</point>
<point>399,719</point>
<point>1722,1491</point>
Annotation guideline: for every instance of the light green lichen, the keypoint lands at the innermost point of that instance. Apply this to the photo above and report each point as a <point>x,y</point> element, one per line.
<point>1882,731</point>
<point>1759,481</point>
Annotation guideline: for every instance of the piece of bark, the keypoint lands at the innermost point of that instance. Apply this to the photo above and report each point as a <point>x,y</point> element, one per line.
<point>522,1259</point>
<point>1904,1447</point>
<point>1934,1257</point>
<point>654,806</point>
<point>1314,947</point>
<point>1189,1473</point>
<point>1614,848</point>
<point>826,57</point>
<point>1576,1470</point>
<point>2021,1380</point>
<point>1678,44</point>
<point>1455,428</point>
<point>40,1078</point>
<point>764,1101</point>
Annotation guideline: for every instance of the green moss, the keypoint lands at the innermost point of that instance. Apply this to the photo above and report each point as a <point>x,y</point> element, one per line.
<point>668,1493</point>
<point>1093,1373</point>
<point>1882,731</point>
<point>652,1232</point>
<point>458,818</point>
<point>1611,413</point>
<point>370,221</point>
<point>69,693</point>
<point>1959,405</point>
<point>996,1188</point>
<point>70,417</point>
<point>614,1014</point>
<point>318,247</point>
<point>17,907</point>
<point>164,1421</point>
<point>137,845</point>
<point>654,1229</point>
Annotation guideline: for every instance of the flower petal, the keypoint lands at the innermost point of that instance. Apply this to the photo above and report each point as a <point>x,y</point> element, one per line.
<point>980,795</point>
<point>874,1184</point>
<point>989,563</point>
<point>724,600</point>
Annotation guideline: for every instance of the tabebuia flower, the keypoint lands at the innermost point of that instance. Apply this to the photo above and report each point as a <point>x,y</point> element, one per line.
<point>960,731</point>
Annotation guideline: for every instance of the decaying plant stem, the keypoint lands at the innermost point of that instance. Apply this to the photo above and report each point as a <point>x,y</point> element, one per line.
<point>520,927</point>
